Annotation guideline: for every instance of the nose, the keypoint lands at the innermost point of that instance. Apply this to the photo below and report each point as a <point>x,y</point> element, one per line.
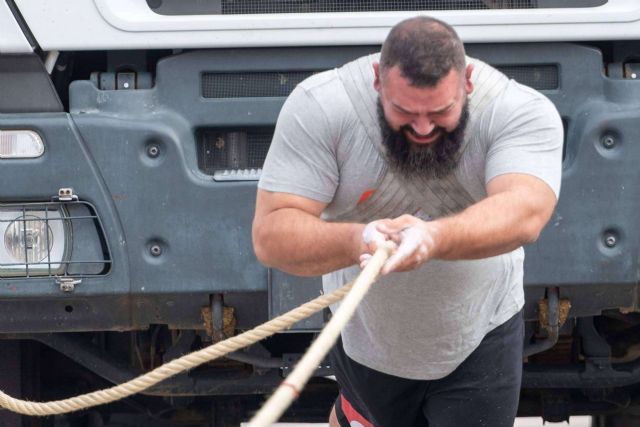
<point>422,125</point>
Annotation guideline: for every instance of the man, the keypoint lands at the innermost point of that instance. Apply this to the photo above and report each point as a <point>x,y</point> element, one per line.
<point>457,164</point>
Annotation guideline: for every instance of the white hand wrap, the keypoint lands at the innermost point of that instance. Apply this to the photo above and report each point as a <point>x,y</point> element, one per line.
<point>413,238</point>
<point>370,234</point>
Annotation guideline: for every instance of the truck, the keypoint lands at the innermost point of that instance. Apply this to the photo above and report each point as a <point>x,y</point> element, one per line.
<point>132,136</point>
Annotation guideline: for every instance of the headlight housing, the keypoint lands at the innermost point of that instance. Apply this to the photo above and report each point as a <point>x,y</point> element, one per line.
<point>35,241</point>
<point>20,144</point>
<point>52,239</point>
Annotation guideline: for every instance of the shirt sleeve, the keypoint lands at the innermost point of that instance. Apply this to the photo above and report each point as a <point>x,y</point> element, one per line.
<point>527,137</point>
<point>301,158</point>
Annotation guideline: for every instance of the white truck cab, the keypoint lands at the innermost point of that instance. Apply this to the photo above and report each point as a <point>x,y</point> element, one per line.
<point>132,135</point>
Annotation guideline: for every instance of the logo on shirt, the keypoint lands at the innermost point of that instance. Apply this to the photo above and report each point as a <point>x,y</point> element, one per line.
<point>366,195</point>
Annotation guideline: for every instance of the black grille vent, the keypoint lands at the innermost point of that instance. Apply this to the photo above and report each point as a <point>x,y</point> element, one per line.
<point>280,84</point>
<point>242,150</point>
<point>540,77</point>
<point>242,7</point>
<point>236,149</point>
<point>247,85</point>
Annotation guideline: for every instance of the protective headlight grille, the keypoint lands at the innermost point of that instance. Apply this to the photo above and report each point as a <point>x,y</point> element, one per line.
<point>53,239</point>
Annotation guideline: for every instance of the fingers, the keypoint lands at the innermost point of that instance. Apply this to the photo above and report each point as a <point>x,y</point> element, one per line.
<point>409,242</point>
<point>364,260</point>
<point>373,239</point>
<point>412,252</point>
<point>396,225</point>
<point>412,236</point>
<point>371,234</point>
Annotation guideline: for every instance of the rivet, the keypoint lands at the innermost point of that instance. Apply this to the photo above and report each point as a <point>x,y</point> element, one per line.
<point>153,151</point>
<point>610,240</point>
<point>155,250</point>
<point>608,141</point>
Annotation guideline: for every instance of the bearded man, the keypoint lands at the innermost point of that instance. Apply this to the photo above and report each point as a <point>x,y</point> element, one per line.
<point>458,165</point>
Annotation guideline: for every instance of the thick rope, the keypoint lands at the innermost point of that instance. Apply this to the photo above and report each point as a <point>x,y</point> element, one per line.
<point>185,362</point>
<point>295,382</point>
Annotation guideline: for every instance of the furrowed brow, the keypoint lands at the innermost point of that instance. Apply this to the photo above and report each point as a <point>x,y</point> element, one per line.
<point>438,111</point>
<point>444,109</point>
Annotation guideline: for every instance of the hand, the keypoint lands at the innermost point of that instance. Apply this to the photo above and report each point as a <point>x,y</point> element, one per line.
<point>415,239</point>
<point>372,238</point>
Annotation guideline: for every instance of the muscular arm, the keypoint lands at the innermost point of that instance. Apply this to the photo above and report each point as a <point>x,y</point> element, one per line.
<point>288,234</point>
<point>514,213</point>
<point>517,208</point>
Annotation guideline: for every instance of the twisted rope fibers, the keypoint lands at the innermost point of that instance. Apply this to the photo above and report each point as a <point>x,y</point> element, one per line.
<point>295,382</point>
<point>204,355</point>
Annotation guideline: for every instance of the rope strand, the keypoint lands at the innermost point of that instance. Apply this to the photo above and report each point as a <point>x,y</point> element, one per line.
<point>191,360</point>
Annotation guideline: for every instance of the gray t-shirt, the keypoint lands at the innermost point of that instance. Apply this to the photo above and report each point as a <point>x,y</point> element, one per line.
<point>420,324</point>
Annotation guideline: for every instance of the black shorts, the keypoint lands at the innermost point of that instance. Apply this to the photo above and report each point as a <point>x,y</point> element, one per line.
<point>482,391</point>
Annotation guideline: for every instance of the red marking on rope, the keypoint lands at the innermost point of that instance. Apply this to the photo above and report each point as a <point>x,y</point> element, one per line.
<point>294,388</point>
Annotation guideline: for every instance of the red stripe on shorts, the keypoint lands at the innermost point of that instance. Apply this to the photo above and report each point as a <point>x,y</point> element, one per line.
<point>351,414</point>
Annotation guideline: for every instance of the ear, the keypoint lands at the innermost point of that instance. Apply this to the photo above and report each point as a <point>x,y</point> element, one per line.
<point>376,81</point>
<point>468,84</point>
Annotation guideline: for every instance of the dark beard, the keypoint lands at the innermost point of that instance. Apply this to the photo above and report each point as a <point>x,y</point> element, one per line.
<point>433,161</point>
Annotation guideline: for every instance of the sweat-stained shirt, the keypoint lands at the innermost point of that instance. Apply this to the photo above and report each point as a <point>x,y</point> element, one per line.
<point>327,147</point>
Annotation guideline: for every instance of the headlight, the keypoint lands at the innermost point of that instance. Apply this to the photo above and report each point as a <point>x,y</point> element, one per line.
<point>20,144</point>
<point>35,242</point>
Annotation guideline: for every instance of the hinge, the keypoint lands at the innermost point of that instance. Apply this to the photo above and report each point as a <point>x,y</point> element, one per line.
<point>67,284</point>
<point>65,195</point>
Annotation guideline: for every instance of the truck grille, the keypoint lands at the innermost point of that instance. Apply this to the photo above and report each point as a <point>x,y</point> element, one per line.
<point>244,7</point>
<point>539,77</point>
<point>241,7</point>
<point>247,85</point>
<point>238,154</point>
<point>280,84</point>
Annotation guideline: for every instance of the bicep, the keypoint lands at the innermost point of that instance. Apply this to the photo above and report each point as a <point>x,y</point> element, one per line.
<point>529,192</point>
<point>268,202</point>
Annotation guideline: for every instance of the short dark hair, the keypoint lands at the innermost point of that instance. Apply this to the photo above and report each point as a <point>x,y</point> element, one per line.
<point>425,49</point>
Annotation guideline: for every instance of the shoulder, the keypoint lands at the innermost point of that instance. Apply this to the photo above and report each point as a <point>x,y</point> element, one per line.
<point>330,86</point>
<point>511,104</point>
<point>519,95</point>
<point>493,89</point>
<point>522,106</point>
<point>324,98</point>
<point>325,88</point>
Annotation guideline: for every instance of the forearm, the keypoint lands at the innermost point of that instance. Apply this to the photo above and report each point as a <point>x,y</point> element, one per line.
<point>300,243</point>
<point>495,225</point>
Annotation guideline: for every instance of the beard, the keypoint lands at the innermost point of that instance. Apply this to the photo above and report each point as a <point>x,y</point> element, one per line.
<point>432,161</point>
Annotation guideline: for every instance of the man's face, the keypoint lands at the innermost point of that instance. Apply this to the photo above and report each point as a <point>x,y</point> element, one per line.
<point>422,128</point>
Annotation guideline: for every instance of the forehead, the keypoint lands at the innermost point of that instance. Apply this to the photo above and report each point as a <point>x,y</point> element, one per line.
<point>398,90</point>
